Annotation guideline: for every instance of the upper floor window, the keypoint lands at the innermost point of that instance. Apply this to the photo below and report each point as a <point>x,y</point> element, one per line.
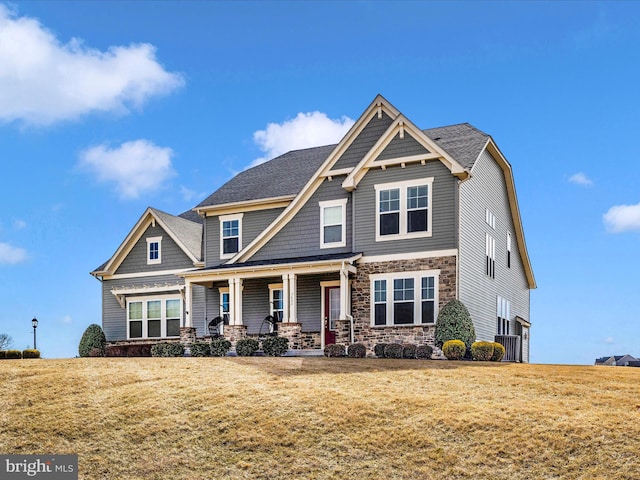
<point>154,250</point>
<point>490,256</point>
<point>403,209</point>
<point>490,218</point>
<point>230,235</point>
<point>405,298</point>
<point>333,220</point>
<point>508,250</point>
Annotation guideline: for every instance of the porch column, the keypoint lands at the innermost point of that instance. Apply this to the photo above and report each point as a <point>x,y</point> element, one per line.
<point>187,303</point>
<point>285,298</point>
<point>292,300</point>
<point>344,293</point>
<point>235,301</point>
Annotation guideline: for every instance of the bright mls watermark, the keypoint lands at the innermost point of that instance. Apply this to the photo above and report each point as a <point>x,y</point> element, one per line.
<point>50,467</point>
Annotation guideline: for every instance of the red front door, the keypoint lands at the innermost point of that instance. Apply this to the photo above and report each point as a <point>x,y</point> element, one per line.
<point>331,313</point>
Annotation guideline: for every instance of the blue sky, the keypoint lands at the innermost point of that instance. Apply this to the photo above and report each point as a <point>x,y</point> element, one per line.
<point>109,107</point>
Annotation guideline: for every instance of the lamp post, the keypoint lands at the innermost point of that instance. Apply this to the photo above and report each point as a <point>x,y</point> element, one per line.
<point>34,324</point>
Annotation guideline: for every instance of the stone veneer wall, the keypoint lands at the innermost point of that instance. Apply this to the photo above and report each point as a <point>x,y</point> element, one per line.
<point>297,339</point>
<point>369,335</point>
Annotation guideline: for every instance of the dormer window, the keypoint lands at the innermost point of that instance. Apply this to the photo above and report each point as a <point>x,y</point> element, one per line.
<point>154,250</point>
<point>230,235</point>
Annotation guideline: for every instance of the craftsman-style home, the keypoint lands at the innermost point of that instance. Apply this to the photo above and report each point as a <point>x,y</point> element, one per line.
<point>363,241</point>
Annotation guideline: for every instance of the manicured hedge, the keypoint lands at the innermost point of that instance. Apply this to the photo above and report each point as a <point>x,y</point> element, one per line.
<point>92,338</point>
<point>454,349</point>
<point>334,350</point>
<point>219,347</point>
<point>378,349</point>
<point>200,349</point>
<point>357,350</point>
<point>482,351</point>
<point>30,353</point>
<point>393,350</point>
<point>167,350</point>
<point>13,354</point>
<point>247,347</point>
<point>275,346</point>
<point>133,350</point>
<point>424,352</point>
<point>498,352</point>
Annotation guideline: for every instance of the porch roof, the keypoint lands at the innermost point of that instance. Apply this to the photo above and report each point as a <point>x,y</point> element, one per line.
<point>261,268</point>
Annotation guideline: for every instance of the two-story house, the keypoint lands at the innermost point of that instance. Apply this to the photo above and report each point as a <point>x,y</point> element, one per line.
<point>363,241</point>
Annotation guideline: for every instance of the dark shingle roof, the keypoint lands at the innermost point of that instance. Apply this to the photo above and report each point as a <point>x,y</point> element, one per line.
<point>284,175</point>
<point>288,173</point>
<point>463,142</point>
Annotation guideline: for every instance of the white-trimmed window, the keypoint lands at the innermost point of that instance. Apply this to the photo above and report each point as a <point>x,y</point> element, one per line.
<point>490,218</point>
<point>503,312</point>
<point>154,317</point>
<point>154,250</point>
<point>230,235</point>
<point>508,250</point>
<point>404,298</point>
<point>490,256</point>
<point>333,223</point>
<point>276,301</point>
<point>403,209</point>
<point>224,307</point>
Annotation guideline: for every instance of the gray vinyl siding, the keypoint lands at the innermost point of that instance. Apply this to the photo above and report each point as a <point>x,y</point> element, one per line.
<point>442,202</point>
<point>487,189</point>
<point>172,256</point>
<point>255,303</point>
<point>114,317</point>
<point>301,236</point>
<point>363,143</point>
<point>253,223</point>
<point>309,301</point>
<point>399,148</point>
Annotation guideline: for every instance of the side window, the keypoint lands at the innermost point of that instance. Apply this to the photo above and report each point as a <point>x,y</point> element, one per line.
<point>490,256</point>
<point>508,250</point>
<point>230,235</point>
<point>154,250</point>
<point>333,219</point>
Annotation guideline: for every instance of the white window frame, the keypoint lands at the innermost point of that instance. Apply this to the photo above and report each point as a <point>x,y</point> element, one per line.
<point>490,256</point>
<point>221,292</point>
<point>151,241</point>
<point>342,203</point>
<point>274,287</point>
<point>145,319</point>
<point>403,187</point>
<point>509,250</point>
<point>417,277</point>
<point>230,218</point>
<point>490,218</point>
<point>503,315</point>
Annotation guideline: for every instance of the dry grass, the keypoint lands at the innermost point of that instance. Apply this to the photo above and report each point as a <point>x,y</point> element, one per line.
<point>316,418</point>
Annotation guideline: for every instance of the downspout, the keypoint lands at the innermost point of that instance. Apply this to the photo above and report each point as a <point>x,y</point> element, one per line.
<point>343,271</point>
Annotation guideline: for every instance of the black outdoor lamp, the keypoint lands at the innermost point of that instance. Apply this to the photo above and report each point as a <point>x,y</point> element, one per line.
<point>34,324</point>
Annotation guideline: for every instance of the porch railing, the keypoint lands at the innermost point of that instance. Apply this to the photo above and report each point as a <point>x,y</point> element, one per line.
<point>511,345</point>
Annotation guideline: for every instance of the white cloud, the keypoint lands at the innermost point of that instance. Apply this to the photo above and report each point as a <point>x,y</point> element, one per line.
<point>622,218</point>
<point>43,81</point>
<point>135,167</point>
<point>11,255</point>
<point>305,130</point>
<point>19,224</point>
<point>580,179</point>
<point>609,341</point>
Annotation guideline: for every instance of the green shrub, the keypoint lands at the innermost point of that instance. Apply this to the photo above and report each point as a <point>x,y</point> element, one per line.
<point>393,350</point>
<point>30,353</point>
<point>93,337</point>
<point>200,349</point>
<point>482,351</point>
<point>424,352</point>
<point>356,350</point>
<point>247,347</point>
<point>13,354</point>
<point>454,323</point>
<point>498,352</point>
<point>3,354</point>
<point>219,347</point>
<point>275,346</point>
<point>409,351</point>
<point>167,350</point>
<point>334,350</point>
<point>378,350</point>
<point>133,350</point>
<point>454,349</point>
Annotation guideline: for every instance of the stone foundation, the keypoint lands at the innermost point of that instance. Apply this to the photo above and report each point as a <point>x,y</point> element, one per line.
<point>187,335</point>
<point>233,333</point>
<point>369,335</point>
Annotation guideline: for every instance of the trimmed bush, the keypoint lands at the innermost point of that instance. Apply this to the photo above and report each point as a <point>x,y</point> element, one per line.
<point>93,337</point>
<point>200,349</point>
<point>498,352</point>
<point>133,350</point>
<point>379,349</point>
<point>3,354</point>
<point>219,347</point>
<point>275,346</point>
<point>30,353</point>
<point>247,347</point>
<point>409,351</point>
<point>454,349</point>
<point>167,350</point>
<point>13,354</point>
<point>454,323</point>
<point>356,350</point>
<point>482,351</point>
<point>393,350</point>
<point>424,352</point>
<point>334,350</point>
